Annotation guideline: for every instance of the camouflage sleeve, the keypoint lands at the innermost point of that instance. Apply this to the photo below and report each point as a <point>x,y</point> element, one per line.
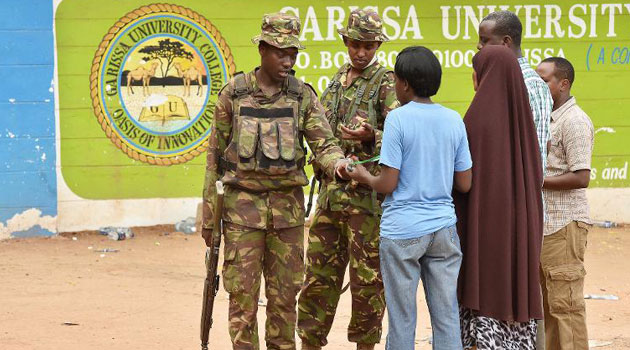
<point>320,137</point>
<point>221,129</point>
<point>387,101</point>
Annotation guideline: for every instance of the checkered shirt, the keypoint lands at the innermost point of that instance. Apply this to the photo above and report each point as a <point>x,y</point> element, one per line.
<point>541,104</point>
<point>572,138</point>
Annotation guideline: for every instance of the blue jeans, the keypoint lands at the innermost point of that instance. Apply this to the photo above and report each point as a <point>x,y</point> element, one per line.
<point>435,258</point>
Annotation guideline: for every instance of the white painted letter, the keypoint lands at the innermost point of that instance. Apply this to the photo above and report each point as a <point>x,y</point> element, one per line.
<point>411,24</point>
<point>439,56</point>
<point>471,18</point>
<point>311,25</point>
<point>593,33</point>
<point>468,56</point>
<point>322,83</point>
<point>303,60</point>
<point>391,59</point>
<point>340,58</point>
<point>392,23</point>
<point>553,20</point>
<point>611,17</point>
<point>577,21</point>
<point>445,22</point>
<point>560,53</point>
<point>325,60</point>
<point>334,22</point>
<point>287,9</point>
<point>530,19</point>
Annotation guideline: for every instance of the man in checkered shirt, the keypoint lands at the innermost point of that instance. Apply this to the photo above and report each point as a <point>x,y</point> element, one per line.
<point>564,245</point>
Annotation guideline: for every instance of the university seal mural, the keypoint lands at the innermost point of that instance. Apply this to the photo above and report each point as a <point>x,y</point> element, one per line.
<point>155,80</point>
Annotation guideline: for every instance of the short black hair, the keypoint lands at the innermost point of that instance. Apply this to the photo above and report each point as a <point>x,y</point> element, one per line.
<point>506,23</point>
<point>563,68</point>
<point>419,67</point>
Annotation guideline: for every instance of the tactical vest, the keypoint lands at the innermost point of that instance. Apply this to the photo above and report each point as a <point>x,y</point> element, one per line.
<point>364,103</point>
<point>265,151</point>
<point>363,99</point>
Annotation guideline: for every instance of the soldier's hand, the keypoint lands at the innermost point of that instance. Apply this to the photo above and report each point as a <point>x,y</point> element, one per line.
<point>340,168</point>
<point>365,133</point>
<point>206,233</point>
<point>358,173</point>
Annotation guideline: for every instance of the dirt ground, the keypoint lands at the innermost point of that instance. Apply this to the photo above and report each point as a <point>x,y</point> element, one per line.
<point>148,294</point>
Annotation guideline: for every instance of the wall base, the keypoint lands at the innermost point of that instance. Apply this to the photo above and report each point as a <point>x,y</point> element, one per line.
<point>612,204</point>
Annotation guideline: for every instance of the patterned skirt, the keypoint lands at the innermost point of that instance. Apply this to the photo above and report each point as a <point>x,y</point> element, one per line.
<point>490,334</point>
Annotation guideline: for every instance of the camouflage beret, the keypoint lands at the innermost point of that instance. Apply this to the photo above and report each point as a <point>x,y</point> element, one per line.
<point>280,30</point>
<point>364,25</point>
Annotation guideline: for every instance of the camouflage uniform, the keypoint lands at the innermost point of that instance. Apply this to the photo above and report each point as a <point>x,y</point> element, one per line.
<point>256,149</point>
<point>345,227</point>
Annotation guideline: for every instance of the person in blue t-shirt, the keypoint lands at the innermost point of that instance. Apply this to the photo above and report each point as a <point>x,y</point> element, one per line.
<point>424,155</point>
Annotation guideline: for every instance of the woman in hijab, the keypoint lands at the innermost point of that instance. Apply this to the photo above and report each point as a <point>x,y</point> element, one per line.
<point>500,220</point>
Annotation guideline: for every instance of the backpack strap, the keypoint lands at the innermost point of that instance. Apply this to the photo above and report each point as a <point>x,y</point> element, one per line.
<point>373,87</point>
<point>297,90</point>
<point>361,92</point>
<point>375,82</point>
<point>334,88</point>
<point>294,88</point>
<point>241,87</point>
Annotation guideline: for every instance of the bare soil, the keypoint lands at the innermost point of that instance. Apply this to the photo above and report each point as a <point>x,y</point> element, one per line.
<point>61,293</point>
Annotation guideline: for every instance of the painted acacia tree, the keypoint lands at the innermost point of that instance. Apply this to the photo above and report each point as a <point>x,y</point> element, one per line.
<point>166,52</point>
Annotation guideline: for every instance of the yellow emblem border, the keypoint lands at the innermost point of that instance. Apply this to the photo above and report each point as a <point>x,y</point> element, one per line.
<point>98,61</point>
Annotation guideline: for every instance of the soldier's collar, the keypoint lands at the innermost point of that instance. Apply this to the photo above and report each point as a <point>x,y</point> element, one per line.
<point>256,90</point>
<point>253,80</point>
<point>367,73</point>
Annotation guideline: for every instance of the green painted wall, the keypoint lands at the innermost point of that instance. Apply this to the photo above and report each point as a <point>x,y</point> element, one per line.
<point>594,36</point>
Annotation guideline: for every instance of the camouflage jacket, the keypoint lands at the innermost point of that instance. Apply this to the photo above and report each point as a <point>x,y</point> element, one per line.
<point>339,195</point>
<point>283,205</point>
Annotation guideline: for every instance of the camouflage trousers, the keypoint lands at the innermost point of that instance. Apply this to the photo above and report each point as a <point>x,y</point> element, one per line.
<point>336,238</point>
<point>279,256</point>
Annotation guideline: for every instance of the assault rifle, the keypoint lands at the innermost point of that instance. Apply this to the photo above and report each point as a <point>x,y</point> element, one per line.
<point>211,284</point>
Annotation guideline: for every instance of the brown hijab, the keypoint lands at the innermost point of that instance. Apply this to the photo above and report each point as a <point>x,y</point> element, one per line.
<point>500,220</point>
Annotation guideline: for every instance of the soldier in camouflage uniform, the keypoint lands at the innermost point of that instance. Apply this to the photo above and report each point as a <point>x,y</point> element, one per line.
<point>345,227</point>
<point>256,149</point>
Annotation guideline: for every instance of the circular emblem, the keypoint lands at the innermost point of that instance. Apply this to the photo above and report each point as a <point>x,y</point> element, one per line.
<point>155,81</point>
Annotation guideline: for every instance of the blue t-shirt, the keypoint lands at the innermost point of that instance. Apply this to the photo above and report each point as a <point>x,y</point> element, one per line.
<point>427,143</point>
